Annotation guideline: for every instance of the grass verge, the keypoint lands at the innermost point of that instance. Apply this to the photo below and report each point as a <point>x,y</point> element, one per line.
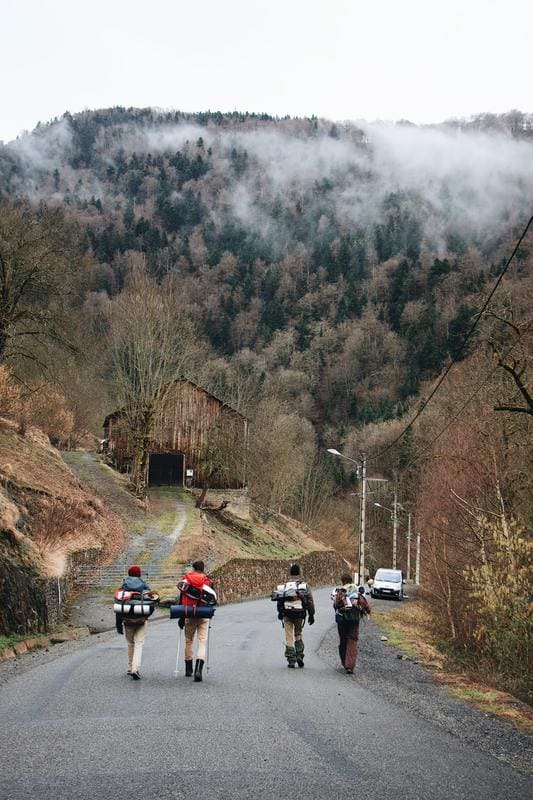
<point>9,641</point>
<point>408,629</point>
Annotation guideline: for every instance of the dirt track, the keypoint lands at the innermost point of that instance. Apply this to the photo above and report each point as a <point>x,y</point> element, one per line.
<point>151,540</point>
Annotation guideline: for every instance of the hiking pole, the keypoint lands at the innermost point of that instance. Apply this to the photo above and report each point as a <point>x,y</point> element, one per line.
<point>207,648</point>
<point>178,654</point>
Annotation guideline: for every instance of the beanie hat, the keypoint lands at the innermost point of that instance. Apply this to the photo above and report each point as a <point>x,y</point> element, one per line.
<point>295,569</point>
<point>134,571</point>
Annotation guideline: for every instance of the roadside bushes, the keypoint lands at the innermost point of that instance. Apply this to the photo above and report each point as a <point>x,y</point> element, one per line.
<point>501,607</point>
<point>473,508</point>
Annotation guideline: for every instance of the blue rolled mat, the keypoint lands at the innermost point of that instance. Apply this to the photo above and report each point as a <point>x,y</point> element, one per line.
<point>188,612</point>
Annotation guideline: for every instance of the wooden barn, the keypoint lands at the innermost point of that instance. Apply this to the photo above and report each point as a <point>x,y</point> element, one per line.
<point>182,436</point>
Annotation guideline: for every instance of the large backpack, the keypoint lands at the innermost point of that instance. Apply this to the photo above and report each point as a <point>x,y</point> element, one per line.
<point>352,613</point>
<point>292,596</point>
<point>205,596</point>
<point>135,606</point>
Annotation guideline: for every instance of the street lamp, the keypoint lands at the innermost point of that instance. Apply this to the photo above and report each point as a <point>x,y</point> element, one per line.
<point>336,453</point>
<point>394,511</point>
<point>361,473</point>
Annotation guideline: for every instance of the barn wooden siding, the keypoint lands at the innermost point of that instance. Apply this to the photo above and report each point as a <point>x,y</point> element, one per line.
<point>182,427</point>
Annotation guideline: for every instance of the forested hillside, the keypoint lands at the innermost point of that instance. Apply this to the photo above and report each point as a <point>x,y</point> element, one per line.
<point>344,263</point>
<point>320,277</point>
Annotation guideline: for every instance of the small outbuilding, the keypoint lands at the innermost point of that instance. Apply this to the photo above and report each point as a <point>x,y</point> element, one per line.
<point>180,451</point>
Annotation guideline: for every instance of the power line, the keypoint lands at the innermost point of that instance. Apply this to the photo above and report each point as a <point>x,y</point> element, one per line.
<point>466,404</point>
<point>461,348</point>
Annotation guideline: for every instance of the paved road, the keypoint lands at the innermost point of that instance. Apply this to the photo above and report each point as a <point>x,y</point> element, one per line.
<point>77,727</point>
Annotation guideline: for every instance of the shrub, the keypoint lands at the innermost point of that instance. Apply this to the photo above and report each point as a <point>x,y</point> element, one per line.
<point>502,607</point>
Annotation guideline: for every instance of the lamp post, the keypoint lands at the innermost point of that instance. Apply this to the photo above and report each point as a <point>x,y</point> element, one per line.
<point>361,473</point>
<point>394,511</point>
<point>386,508</point>
<point>417,568</point>
<point>362,517</point>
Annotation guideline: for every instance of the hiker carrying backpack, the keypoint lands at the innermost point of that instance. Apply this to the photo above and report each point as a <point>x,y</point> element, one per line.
<point>196,593</point>
<point>134,602</point>
<point>294,604</point>
<point>350,607</point>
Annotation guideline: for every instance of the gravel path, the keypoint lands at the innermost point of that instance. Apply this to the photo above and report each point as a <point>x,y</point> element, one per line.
<point>411,686</point>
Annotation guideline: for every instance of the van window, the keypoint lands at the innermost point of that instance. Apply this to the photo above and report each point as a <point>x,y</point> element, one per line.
<point>390,575</point>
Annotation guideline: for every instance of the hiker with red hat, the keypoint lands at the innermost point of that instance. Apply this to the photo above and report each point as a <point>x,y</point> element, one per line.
<point>134,628</point>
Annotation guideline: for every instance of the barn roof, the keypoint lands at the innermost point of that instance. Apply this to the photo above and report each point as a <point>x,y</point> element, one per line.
<point>118,412</point>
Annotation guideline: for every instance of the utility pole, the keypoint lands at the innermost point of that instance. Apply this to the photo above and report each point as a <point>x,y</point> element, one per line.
<point>395,526</point>
<point>417,569</point>
<point>361,567</point>
<point>408,546</point>
<point>361,473</point>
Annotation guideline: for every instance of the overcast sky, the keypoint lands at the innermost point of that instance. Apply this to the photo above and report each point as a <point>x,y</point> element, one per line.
<point>422,60</point>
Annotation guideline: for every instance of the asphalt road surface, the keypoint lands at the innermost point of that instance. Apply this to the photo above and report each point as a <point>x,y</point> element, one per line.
<point>76,726</point>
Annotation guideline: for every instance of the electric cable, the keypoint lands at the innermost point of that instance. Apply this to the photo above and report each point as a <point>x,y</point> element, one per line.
<point>461,348</point>
<point>485,380</point>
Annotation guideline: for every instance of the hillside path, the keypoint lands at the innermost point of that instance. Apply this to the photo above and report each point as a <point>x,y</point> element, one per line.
<point>75,725</point>
<point>151,538</point>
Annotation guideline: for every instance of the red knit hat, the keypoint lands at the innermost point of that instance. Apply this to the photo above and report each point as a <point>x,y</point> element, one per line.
<point>134,571</point>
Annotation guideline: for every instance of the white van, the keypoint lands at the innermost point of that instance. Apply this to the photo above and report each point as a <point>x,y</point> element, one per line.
<point>388,583</point>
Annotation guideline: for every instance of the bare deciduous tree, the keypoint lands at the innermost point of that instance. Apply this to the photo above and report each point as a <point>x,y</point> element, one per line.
<point>282,445</point>
<point>312,497</point>
<point>152,344</point>
<point>511,348</point>
<point>36,258</point>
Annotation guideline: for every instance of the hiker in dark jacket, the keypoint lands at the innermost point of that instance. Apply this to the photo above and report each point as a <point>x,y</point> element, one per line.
<point>293,612</point>
<point>134,628</point>
<point>350,606</point>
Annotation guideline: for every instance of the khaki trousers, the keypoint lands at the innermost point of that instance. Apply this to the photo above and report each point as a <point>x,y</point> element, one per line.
<point>199,627</point>
<point>293,630</point>
<point>135,637</point>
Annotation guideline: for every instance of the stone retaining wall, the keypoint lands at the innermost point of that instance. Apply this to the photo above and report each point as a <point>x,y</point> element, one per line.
<point>55,592</point>
<point>243,578</point>
<point>23,608</point>
<point>60,589</point>
<point>33,604</point>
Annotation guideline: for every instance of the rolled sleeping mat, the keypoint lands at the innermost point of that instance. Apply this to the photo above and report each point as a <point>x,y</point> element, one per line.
<point>133,609</point>
<point>189,612</point>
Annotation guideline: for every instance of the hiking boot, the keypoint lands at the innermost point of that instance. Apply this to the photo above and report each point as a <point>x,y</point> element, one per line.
<point>198,670</point>
<point>291,665</point>
<point>349,671</point>
<point>299,651</point>
<point>135,676</point>
<point>188,668</point>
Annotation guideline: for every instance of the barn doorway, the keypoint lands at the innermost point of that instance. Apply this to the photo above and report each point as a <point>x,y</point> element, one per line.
<point>165,469</point>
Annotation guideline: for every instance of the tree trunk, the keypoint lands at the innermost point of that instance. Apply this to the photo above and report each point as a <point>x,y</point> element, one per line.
<point>199,503</point>
<point>3,341</point>
<point>141,444</point>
